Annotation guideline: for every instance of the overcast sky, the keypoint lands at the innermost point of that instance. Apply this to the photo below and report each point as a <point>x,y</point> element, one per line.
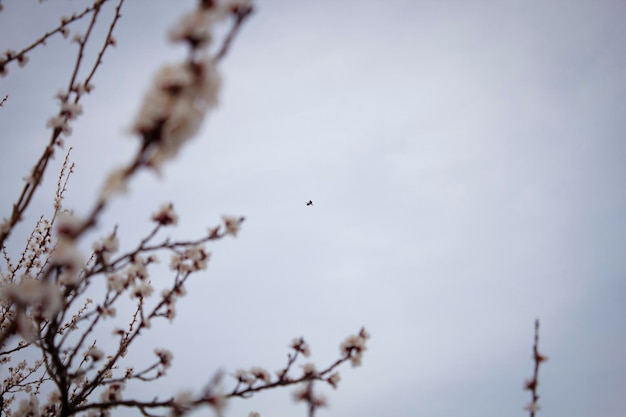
<point>467,164</point>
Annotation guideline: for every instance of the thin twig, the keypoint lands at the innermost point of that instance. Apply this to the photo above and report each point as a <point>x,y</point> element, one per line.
<point>240,17</point>
<point>532,384</point>
<point>42,41</point>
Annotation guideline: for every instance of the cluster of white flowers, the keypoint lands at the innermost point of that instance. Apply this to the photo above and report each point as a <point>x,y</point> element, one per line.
<point>142,289</point>
<point>244,377</point>
<point>28,407</point>
<point>182,94</point>
<point>175,106</point>
<point>192,259</point>
<point>354,346</point>
<point>137,269</point>
<point>36,252</point>
<point>169,299</point>
<point>44,298</point>
<point>18,377</point>
<point>255,374</point>
<point>136,275</point>
<point>195,27</point>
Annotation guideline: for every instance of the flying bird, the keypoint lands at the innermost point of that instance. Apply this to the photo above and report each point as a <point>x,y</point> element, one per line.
<point>309,203</point>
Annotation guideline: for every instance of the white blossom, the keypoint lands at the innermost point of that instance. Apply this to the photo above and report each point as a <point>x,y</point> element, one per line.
<point>116,282</point>
<point>232,224</point>
<point>137,269</point>
<point>260,374</point>
<point>182,403</point>
<point>309,369</point>
<point>67,255</point>
<point>298,344</point>
<point>532,407</point>
<point>244,376</point>
<point>354,346</point>
<point>144,289</point>
<point>59,122</point>
<point>113,392</point>
<point>106,247</point>
<point>94,353</point>
<point>166,215</point>
<point>194,27</point>
<point>71,110</point>
<point>165,357</point>
<point>116,183</point>
<point>67,224</point>
<point>334,379</point>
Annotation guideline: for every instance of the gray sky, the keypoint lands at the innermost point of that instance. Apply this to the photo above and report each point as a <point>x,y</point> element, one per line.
<point>467,164</point>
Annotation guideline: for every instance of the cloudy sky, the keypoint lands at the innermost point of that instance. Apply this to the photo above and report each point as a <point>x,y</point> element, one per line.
<point>467,164</point>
